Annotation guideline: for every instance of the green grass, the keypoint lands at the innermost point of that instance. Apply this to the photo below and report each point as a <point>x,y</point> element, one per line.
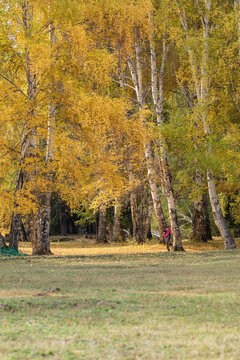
<point>148,306</point>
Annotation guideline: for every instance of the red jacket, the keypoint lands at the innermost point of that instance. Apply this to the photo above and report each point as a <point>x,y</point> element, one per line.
<point>165,234</point>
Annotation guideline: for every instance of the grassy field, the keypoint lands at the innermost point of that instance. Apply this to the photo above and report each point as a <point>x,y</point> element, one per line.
<point>121,306</point>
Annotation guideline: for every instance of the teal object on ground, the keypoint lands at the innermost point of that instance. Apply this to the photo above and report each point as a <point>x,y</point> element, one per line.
<point>10,251</point>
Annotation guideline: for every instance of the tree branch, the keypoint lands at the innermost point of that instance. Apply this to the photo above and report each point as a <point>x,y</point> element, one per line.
<point>12,83</point>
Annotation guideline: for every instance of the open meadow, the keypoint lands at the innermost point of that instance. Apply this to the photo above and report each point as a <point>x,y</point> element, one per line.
<point>152,305</point>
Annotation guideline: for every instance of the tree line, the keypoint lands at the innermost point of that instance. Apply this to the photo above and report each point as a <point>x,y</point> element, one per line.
<point>116,104</point>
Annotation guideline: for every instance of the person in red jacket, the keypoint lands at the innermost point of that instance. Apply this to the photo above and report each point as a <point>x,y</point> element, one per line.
<point>167,237</point>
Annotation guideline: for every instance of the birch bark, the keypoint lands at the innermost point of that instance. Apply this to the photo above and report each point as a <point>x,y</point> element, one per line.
<point>158,101</point>
<point>45,209</point>
<point>39,219</point>
<point>29,133</point>
<point>136,74</point>
<point>217,212</point>
<point>201,227</point>
<point>207,216</point>
<point>202,92</point>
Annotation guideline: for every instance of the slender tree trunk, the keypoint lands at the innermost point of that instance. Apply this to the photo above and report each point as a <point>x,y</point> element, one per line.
<point>102,225</point>
<point>44,215</point>
<point>202,92</point>
<point>136,75</point>
<point>116,225</point>
<point>40,224</point>
<point>97,224</point>
<point>29,144</point>
<point>150,208</point>
<point>142,215</point>
<point>172,206</point>
<point>207,216</point>
<point>134,214</point>
<point>26,149</point>
<point>2,242</point>
<point>158,100</point>
<point>45,210</point>
<point>154,190</point>
<point>218,216</point>
<point>214,201</point>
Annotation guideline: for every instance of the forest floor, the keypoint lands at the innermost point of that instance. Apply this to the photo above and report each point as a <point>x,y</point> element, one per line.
<point>121,307</point>
<point>77,245</point>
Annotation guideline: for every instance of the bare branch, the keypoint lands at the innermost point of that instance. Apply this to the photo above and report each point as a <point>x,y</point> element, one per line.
<point>12,83</point>
<point>124,84</point>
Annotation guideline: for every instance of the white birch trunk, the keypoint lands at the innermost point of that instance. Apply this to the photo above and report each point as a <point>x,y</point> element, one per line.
<point>216,208</point>
<point>136,75</point>
<point>45,210</point>
<point>152,178</point>
<point>40,219</point>
<point>218,216</point>
<point>202,92</point>
<point>158,100</point>
<point>29,133</point>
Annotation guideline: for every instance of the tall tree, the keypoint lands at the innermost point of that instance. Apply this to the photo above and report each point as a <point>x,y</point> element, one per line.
<point>157,85</point>
<point>200,64</point>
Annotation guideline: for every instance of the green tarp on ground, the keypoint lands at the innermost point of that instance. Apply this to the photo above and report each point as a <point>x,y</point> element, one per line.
<point>9,251</point>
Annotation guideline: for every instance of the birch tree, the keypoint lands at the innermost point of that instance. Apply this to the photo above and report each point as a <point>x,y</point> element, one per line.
<point>25,39</point>
<point>201,66</point>
<point>157,86</point>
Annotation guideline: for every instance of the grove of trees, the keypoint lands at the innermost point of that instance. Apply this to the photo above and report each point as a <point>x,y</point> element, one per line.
<point>116,104</point>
